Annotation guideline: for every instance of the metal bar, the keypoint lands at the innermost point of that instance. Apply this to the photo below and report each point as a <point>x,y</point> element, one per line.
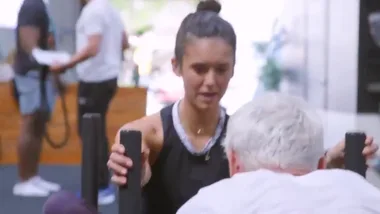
<point>90,163</point>
<point>130,198</point>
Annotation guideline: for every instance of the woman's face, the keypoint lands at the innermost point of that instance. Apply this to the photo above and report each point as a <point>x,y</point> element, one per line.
<point>207,67</point>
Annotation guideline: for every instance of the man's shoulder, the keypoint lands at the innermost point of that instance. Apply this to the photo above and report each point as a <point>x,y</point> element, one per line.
<point>91,10</point>
<point>200,203</point>
<point>227,195</point>
<point>216,187</point>
<point>334,174</point>
<point>32,9</point>
<point>94,7</point>
<point>30,6</point>
<point>343,180</point>
<point>234,184</point>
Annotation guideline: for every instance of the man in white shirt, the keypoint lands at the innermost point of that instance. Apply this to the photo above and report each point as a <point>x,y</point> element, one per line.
<point>100,41</point>
<point>274,146</point>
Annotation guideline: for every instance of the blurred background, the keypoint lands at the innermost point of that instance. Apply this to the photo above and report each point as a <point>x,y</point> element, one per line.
<point>321,50</point>
<point>308,40</point>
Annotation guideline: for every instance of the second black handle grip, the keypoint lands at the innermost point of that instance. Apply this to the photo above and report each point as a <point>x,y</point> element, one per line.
<point>90,165</point>
<point>130,198</point>
<point>354,159</point>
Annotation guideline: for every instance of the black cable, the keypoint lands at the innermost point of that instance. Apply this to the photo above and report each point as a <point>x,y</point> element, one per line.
<point>64,141</point>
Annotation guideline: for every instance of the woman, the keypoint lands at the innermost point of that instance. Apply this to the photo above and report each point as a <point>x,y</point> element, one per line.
<point>181,144</point>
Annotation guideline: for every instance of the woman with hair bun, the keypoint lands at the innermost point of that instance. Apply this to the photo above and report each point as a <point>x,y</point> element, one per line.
<point>181,144</point>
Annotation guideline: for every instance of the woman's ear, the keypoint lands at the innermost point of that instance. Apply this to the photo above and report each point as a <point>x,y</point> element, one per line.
<point>176,67</point>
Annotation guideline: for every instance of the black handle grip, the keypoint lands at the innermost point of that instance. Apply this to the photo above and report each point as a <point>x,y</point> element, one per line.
<point>130,197</point>
<point>354,159</point>
<point>90,131</point>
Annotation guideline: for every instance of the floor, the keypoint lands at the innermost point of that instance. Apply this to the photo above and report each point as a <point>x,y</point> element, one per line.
<point>67,176</point>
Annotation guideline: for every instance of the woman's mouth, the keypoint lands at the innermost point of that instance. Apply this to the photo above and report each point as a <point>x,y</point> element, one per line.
<point>208,97</point>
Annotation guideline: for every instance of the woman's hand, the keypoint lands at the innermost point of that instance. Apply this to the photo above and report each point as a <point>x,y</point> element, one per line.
<point>119,164</point>
<point>335,156</point>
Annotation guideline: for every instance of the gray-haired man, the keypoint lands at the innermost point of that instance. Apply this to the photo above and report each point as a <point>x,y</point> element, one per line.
<point>274,146</point>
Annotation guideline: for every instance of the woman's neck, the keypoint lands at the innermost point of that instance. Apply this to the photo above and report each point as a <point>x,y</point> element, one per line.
<point>196,121</point>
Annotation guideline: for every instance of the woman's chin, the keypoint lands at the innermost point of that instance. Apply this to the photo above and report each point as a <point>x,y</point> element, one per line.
<point>208,105</point>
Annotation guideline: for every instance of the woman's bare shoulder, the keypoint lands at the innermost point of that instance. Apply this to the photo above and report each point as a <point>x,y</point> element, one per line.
<point>150,127</point>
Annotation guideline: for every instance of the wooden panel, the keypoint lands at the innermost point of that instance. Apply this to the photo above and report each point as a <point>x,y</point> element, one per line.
<point>129,104</point>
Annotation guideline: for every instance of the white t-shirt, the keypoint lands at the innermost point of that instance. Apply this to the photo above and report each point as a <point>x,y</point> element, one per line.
<point>99,17</point>
<point>267,192</point>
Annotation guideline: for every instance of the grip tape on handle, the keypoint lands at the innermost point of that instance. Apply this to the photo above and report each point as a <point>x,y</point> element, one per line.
<point>130,198</point>
<point>354,159</point>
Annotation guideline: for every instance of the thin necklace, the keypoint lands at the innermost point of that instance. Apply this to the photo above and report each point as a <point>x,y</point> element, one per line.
<point>184,138</point>
<point>200,131</point>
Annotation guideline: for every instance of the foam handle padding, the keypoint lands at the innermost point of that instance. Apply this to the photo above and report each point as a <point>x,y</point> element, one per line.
<point>90,163</point>
<point>130,195</point>
<point>354,159</point>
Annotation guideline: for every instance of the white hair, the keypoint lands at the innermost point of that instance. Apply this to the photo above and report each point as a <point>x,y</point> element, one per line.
<point>276,130</point>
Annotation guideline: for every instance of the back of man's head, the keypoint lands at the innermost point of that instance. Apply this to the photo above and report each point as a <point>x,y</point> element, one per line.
<point>64,202</point>
<point>277,132</point>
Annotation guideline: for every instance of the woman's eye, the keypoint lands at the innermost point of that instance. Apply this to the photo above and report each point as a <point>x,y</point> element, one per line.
<point>221,70</point>
<point>200,68</point>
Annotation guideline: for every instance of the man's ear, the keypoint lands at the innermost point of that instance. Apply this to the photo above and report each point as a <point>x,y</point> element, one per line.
<point>233,163</point>
<point>322,163</point>
<point>176,67</point>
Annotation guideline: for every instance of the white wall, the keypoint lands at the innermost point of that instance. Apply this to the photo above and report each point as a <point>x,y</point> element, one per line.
<point>343,52</point>
<point>316,47</point>
<point>330,43</point>
<point>332,48</point>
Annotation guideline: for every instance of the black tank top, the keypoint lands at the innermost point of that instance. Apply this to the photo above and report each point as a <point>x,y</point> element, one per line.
<point>177,174</point>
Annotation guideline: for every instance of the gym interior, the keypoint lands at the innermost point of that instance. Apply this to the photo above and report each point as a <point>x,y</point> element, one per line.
<point>331,58</point>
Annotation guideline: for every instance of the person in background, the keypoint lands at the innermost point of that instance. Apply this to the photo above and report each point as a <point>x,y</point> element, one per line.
<point>32,32</point>
<point>274,146</point>
<point>100,39</point>
<point>6,70</point>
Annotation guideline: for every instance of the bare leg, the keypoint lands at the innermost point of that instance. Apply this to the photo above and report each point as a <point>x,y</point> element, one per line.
<point>30,145</point>
<point>33,121</point>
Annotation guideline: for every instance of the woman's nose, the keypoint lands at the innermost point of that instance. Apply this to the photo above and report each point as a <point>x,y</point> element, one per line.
<point>210,78</point>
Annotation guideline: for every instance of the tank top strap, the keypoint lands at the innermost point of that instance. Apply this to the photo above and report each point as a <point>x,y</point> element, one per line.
<point>170,136</point>
<point>166,119</point>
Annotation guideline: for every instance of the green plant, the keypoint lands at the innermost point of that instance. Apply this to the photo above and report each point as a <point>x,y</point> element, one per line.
<point>261,47</point>
<point>143,30</point>
<point>271,75</point>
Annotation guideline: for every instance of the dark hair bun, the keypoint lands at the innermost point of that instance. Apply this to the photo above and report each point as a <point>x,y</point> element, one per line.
<point>209,6</point>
